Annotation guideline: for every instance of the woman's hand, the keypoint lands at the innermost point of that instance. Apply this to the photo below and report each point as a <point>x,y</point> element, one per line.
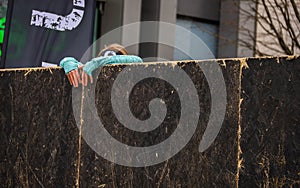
<point>74,76</point>
<point>72,68</point>
<point>78,76</point>
<point>85,78</point>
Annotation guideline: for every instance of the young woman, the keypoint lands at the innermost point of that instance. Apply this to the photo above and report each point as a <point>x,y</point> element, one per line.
<point>111,54</point>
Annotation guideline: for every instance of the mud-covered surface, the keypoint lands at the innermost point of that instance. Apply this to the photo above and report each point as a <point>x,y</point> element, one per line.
<point>37,143</point>
<point>270,141</point>
<point>258,144</point>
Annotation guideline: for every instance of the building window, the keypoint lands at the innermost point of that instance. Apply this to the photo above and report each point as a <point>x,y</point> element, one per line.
<point>198,39</point>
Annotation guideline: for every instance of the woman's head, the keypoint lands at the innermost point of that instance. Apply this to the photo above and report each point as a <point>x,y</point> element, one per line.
<point>113,49</point>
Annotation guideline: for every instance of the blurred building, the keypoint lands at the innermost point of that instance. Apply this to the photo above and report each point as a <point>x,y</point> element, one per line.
<point>204,29</point>
<point>216,23</point>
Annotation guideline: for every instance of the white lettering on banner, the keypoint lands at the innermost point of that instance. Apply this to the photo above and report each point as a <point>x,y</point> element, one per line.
<point>58,22</point>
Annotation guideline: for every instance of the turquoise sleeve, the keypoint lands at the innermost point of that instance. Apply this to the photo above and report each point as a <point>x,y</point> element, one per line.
<point>69,64</point>
<point>101,61</point>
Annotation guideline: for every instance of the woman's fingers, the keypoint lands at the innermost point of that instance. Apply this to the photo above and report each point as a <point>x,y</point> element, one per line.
<point>85,78</point>
<point>76,73</point>
<point>75,79</point>
<point>69,78</point>
<point>72,79</point>
<point>78,76</point>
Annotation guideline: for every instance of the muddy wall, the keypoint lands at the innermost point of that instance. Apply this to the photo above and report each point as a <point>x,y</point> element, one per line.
<point>257,146</point>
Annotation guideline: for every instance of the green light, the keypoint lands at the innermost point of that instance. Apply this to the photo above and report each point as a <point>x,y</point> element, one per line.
<point>2,28</point>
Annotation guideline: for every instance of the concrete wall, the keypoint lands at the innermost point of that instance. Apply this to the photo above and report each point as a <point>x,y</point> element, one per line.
<point>229,28</point>
<point>208,10</point>
<point>258,143</point>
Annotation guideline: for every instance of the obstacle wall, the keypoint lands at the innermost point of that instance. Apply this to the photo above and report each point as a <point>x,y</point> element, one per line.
<point>257,146</point>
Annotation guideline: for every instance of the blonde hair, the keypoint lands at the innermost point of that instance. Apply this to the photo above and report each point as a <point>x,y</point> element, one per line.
<point>117,48</point>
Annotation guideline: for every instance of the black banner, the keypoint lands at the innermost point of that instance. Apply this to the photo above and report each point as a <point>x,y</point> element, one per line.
<point>44,31</point>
